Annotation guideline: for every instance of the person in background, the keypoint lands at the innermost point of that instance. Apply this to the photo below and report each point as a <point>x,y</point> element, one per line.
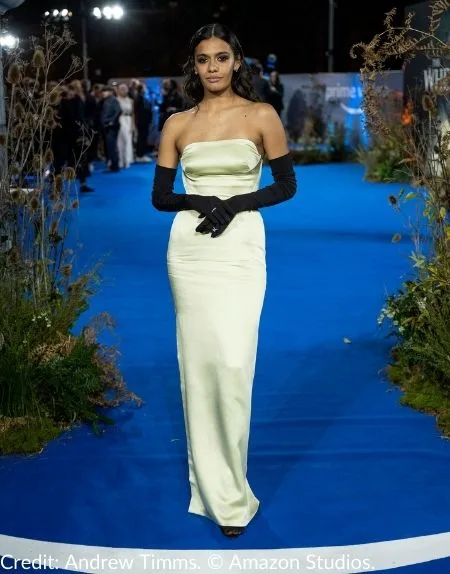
<point>260,84</point>
<point>61,133</point>
<point>126,130</point>
<point>275,92</point>
<point>143,114</point>
<point>91,120</point>
<point>110,125</point>
<point>133,88</point>
<point>80,135</point>
<point>172,102</point>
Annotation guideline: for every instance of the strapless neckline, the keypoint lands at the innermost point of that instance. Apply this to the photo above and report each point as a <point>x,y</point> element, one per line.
<point>242,140</point>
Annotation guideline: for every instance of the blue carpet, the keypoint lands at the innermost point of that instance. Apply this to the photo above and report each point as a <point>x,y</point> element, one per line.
<point>334,458</point>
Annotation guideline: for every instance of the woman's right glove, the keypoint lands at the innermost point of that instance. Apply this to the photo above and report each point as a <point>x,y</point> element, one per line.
<point>165,199</point>
<point>211,208</point>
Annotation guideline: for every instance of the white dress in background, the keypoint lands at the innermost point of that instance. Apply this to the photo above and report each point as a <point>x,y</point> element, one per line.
<point>218,288</point>
<point>125,139</point>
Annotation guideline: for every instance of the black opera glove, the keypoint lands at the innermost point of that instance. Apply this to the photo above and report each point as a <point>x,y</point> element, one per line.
<point>212,208</point>
<point>283,189</point>
<point>163,196</point>
<point>207,227</point>
<point>216,225</point>
<point>221,212</point>
<point>165,199</point>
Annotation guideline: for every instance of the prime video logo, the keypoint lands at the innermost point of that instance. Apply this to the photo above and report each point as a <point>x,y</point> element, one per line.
<point>340,93</point>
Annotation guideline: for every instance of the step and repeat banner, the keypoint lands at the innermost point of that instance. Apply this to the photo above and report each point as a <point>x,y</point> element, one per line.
<point>313,104</point>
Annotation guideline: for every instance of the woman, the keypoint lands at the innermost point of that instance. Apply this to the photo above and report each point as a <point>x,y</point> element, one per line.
<point>126,119</point>
<point>276,92</point>
<point>172,102</point>
<point>216,262</point>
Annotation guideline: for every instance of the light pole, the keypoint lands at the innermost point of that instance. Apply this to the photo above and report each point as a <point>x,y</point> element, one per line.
<point>84,44</point>
<point>330,53</point>
<point>115,12</point>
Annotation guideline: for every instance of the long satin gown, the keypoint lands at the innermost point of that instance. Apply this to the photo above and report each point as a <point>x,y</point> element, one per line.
<point>218,287</point>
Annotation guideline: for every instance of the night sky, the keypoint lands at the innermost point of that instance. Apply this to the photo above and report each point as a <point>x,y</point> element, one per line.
<point>152,39</point>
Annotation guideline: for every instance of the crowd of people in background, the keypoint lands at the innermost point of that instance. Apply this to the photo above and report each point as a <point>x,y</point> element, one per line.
<point>117,123</point>
<point>102,123</point>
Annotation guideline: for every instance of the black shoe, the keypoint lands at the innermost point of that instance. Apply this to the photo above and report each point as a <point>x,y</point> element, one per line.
<point>86,189</point>
<point>232,531</point>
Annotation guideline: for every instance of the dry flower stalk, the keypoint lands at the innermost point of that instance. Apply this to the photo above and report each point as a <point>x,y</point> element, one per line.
<point>423,136</point>
<point>37,282</point>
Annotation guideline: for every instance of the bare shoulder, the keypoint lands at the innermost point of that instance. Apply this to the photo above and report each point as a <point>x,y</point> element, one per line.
<point>264,112</point>
<point>255,108</point>
<point>177,122</point>
<point>271,130</point>
<point>174,126</point>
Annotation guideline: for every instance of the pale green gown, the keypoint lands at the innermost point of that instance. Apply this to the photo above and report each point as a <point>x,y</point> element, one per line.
<point>218,287</point>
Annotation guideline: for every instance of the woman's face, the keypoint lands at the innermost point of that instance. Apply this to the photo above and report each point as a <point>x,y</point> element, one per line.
<point>123,91</point>
<point>215,64</point>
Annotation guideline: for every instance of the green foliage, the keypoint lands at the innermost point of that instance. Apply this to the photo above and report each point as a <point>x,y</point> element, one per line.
<point>338,148</point>
<point>309,155</point>
<point>66,383</point>
<point>383,160</point>
<point>426,342</point>
<point>412,142</point>
<point>49,378</point>
<point>28,435</point>
<point>422,392</point>
<point>335,149</point>
<point>420,315</point>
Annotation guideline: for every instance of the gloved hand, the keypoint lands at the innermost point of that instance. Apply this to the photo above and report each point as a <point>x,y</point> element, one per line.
<point>206,227</point>
<point>212,208</point>
<point>211,225</point>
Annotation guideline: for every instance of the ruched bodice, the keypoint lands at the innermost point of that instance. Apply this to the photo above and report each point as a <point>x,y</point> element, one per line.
<point>221,167</point>
<point>218,287</point>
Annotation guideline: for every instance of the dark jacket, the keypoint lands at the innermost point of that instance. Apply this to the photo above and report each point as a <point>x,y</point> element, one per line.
<point>110,113</point>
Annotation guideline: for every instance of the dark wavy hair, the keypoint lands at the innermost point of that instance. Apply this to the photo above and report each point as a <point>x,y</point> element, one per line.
<point>241,82</point>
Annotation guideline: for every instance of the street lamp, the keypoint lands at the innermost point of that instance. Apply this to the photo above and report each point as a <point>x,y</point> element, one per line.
<point>115,12</point>
<point>9,42</point>
<point>57,15</point>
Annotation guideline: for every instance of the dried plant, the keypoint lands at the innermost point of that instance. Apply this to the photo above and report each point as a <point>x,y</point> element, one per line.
<point>423,135</point>
<point>420,311</point>
<point>44,368</point>
<point>34,208</point>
